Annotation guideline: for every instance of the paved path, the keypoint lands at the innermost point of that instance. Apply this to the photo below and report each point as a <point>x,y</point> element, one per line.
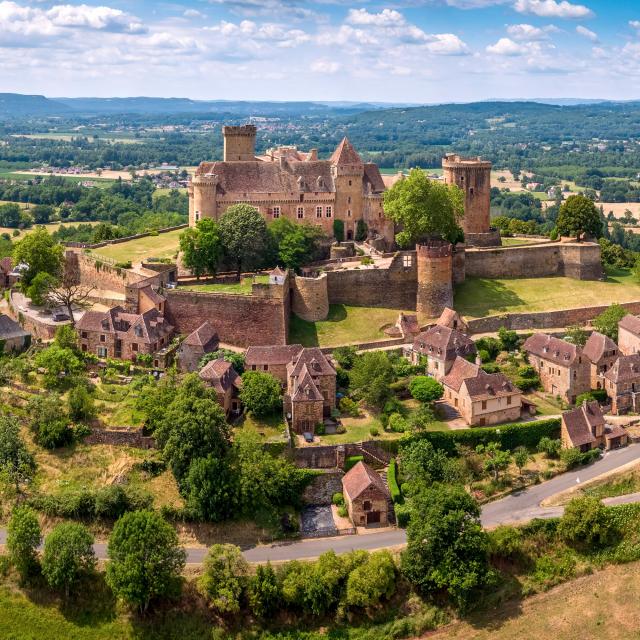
<point>517,507</point>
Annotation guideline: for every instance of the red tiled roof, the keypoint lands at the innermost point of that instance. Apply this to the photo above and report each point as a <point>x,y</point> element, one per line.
<point>359,478</point>
<point>275,354</point>
<point>306,390</point>
<point>581,422</point>
<point>204,336</point>
<point>444,342</point>
<point>630,323</point>
<point>552,349</point>
<point>315,362</point>
<point>451,318</point>
<point>489,385</point>
<point>408,324</point>
<point>345,154</point>
<point>374,177</point>
<point>459,372</point>
<point>220,375</point>
<point>597,345</point>
<point>153,295</point>
<point>625,369</point>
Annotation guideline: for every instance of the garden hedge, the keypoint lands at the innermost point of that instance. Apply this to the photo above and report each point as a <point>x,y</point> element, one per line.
<point>392,481</point>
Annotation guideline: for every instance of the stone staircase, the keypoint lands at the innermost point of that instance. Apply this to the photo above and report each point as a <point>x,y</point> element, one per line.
<point>373,455</point>
<point>390,509</point>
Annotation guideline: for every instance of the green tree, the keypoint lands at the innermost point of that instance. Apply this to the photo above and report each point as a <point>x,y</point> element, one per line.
<point>23,538</point>
<point>579,215</point>
<point>244,235</point>
<point>338,230</point>
<point>295,244</point>
<point>41,253</point>
<point>372,581</point>
<point>155,397</point>
<point>495,459</point>
<point>68,553</point>
<point>59,364</point>
<point>424,208</point>
<point>10,215</point>
<point>426,389</point>
<point>446,546</point>
<point>607,321</point>
<point>361,230</point>
<point>508,339</point>
<point>48,420</point>
<point>551,448</point>
<point>41,213</point>
<point>17,465</point>
<point>263,591</point>
<point>66,337</point>
<point>201,247</point>
<point>225,577</point>
<point>212,489</point>
<point>145,559</point>
<point>39,288</point>
<point>80,404</point>
<point>235,358</point>
<point>521,457</point>
<point>261,393</point>
<point>422,465</point>
<point>577,335</point>
<point>587,521</point>
<point>370,377</point>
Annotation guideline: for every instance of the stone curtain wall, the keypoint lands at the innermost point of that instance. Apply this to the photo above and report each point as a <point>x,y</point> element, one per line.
<point>239,320</point>
<point>100,275</point>
<point>106,243</point>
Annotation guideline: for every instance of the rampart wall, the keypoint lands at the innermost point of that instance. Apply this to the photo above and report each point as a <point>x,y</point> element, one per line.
<point>100,275</point>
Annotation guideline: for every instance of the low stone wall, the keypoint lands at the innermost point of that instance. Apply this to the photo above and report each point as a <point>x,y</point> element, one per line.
<point>332,456</point>
<point>543,319</point>
<point>323,486</point>
<point>121,437</point>
<point>35,327</point>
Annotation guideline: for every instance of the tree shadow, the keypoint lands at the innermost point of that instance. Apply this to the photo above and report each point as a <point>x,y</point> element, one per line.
<point>497,607</point>
<point>481,297</point>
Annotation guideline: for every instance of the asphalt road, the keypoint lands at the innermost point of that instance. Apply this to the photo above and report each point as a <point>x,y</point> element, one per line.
<point>516,508</point>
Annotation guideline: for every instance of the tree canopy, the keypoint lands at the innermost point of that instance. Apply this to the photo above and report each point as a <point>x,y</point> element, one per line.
<point>244,236</point>
<point>261,393</point>
<point>578,215</point>
<point>17,464</point>
<point>201,247</point>
<point>41,253</point>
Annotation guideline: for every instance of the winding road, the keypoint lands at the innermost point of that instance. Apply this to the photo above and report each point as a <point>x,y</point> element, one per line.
<point>518,507</point>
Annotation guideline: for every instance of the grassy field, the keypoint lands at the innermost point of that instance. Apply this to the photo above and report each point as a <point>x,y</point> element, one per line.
<point>478,297</point>
<point>54,226</point>
<point>345,325</point>
<point>512,242</point>
<point>164,245</point>
<point>242,288</point>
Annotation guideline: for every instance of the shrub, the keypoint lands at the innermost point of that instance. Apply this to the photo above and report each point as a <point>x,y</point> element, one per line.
<point>349,407</point>
<point>80,404</point>
<point>345,356</point>
<point>403,513</point>
<point>372,581</point>
<point>224,578</point>
<point>23,538</point>
<point>123,265</point>
<point>338,230</point>
<point>392,481</point>
<point>426,389</point>
<point>505,542</point>
<point>508,339</point>
<point>484,356</point>
<point>338,499</point>
<point>600,395</point>
<point>574,457</point>
<point>586,520</point>
<point>352,461</point>
<point>343,512</point>
<point>374,431</point>
<point>263,592</point>
<point>491,345</point>
<point>397,423</point>
<point>550,447</point>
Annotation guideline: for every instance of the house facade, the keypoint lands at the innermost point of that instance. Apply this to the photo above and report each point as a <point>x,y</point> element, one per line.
<point>622,384</point>
<point>629,335</point>
<point>563,369</point>
<point>197,344</point>
<point>601,352</point>
<point>441,345</point>
<point>272,359</point>
<point>366,496</point>
<point>585,428</point>
<point>225,381</point>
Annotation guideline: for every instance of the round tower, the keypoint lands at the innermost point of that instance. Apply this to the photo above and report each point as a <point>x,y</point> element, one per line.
<point>310,298</point>
<point>473,176</point>
<point>202,198</point>
<point>435,278</point>
<point>239,143</point>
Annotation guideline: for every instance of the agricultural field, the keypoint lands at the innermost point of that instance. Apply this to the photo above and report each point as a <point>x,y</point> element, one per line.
<point>345,325</point>
<point>478,297</point>
<point>164,245</point>
<point>51,227</point>
<point>618,208</point>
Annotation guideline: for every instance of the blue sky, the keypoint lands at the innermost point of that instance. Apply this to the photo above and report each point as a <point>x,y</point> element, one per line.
<point>400,51</point>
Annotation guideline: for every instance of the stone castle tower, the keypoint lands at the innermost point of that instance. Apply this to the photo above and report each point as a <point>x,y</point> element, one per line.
<point>239,143</point>
<point>347,170</point>
<point>473,176</point>
<point>435,278</point>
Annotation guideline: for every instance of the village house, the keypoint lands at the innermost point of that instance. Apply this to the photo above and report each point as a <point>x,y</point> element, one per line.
<point>452,319</point>
<point>481,398</point>
<point>441,346</point>
<point>585,428</point>
<point>118,334</point>
<point>622,384</point>
<point>197,344</point>
<point>12,336</point>
<point>272,359</point>
<point>564,371</point>
<point>225,381</point>
<point>366,496</point>
<point>602,352</point>
<point>629,335</point>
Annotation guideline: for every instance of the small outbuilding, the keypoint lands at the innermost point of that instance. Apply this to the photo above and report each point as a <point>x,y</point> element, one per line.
<point>366,496</point>
<point>12,336</point>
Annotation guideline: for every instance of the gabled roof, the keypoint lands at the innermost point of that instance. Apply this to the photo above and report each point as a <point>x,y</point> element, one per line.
<point>597,345</point>
<point>274,354</point>
<point>359,478</point>
<point>345,154</point>
<point>581,422</point>
<point>313,360</point>
<point>277,272</point>
<point>408,324</point>
<point>552,349</point>
<point>306,390</point>
<point>153,295</point>
<point>204,336</point>
<point>10,329</point>
<point>630,323</point>
<point>489,385</point>
<point>459,372</point>
<point>452,319</point>
<point>220,375</point>
<point>373,176</point>
<point>625,369</point>
<point>444,342</point>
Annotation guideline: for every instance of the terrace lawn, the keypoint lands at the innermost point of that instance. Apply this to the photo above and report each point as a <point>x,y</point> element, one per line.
<point>511,242</point>
<point>164,245</point>
<point>345,325</point>
<point>242,288</point>
<point>478,297</point>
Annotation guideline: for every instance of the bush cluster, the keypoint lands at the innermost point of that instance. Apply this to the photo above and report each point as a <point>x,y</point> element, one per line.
<point>392,480</point>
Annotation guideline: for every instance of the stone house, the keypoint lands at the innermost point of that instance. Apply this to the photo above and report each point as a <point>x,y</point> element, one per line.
<point>629,335</point>
<point>585,428</point>
<point>481,398</point>
<point>224,379</point>
<point>452,319</point>
<point>272,359</point>
<point>12,336</point>
<point>366,496</point>
<point>198,343</point>
<point>563,369</point>
<point>622,384</point>
<point>441,345</point>
<point>311,389</point>
<point>118,334</point>
<point>602,352</point>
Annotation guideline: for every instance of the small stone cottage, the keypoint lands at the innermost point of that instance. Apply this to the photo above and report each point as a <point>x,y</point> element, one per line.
<point>366,496</point>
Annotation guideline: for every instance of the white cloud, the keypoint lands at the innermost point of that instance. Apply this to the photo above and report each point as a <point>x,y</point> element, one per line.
<point>634,24</point>
<point>325,66</point>
<point>447,44</point>
<point>249,31</point>
<point>529,33</point>
<point>587,33</point>
<point>193,13</point>
<point>507,47</point>
<point>553,9</point>
<point>386,18</point>
<point>98,18</point>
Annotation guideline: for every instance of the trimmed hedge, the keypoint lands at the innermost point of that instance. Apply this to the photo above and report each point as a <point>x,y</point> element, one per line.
<point>510,436</point>
<point>352,461</point>
<point>392,481</point>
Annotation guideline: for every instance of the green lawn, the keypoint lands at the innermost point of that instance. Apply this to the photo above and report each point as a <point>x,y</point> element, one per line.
<point>478,297</point>
<point>243,288</point>
<point>164,245</point>
<point>510,242</point>
<point>270,429</point>
<point>345,325</point>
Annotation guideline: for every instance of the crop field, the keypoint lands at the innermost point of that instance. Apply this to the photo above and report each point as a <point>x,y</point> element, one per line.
<point>53,226</point>
<point>164,245</point>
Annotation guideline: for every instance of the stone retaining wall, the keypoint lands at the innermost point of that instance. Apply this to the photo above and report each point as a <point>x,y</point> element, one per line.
<point>121,437</point>
<point>322,488</point>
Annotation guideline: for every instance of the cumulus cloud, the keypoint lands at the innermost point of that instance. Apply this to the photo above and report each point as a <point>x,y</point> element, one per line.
<point>634,24</point>
<point>529,33</point>
<point>447,44</point>
<point>587,33</point>
<point>248,30</point>
<point>193,13</point>
<point>325,66</point>
<point>553,9</point>
<point>507,47</point>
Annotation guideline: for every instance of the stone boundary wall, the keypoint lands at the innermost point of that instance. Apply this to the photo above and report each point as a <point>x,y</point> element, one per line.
<point>372,346</point>
<point>329,456</point>
<point>121,437</point>
<point>321,489</point>
<point>238,319</point>
<point>106,243</point>
<point>543,319</point>
<point>39,329</point>
<point>93,272</point>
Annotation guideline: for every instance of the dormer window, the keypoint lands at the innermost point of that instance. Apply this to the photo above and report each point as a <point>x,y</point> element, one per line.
<point>138,331</point>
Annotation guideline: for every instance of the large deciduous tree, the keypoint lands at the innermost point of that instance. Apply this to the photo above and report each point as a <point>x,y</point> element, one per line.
<point>579,215</point>
<point>23,538</point>
<point>371,376</point>
<point>261,393</point>
<point>224,579</point>
<point>41,253</point>
<point>17,465</point>
<point>244,236</point>
<point>202,247</point>
<point>424,209</point>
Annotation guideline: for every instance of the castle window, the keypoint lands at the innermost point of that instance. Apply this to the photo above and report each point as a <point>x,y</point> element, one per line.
<point>103,338</point>
<point>276,212</point>
<point>349,199</point>
<point>197,216</point>
<point>407,261</point>
<point>349,213</point>
<point>471,191</point>
<point>102,352</point>
<point>349,182</point>
<point>318,212</point>
<point>329,212</point>
<point>300,212</point>
<point>134,346</point>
